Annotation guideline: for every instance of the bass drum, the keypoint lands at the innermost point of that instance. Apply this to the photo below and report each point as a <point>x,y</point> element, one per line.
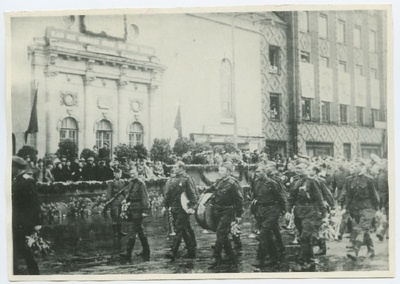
<point>204,213</point>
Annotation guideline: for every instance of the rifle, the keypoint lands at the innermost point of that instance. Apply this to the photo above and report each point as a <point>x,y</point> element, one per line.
<point>115,197</point>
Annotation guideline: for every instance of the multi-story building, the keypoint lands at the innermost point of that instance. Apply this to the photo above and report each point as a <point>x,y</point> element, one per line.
<point>337,74</point>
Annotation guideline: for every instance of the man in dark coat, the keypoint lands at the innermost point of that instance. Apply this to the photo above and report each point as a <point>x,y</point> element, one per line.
<point>138,197</point>
<point>103,171</point>
<point>309,211</point>
<point>178,185</point>
<point>268,204</point>
<point>25,214</point>
<point>89,170</point>
<point>362,202</point>
<point>227,201</point>
<point>104,153</point>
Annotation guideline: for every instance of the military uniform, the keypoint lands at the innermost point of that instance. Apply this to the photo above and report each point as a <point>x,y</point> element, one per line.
<point>309,210</point>
<point>179,184</point>
<point>138,198</point>
<point>362,201</point>
<point>339,180</point>
<point>115,207</point>
<point>227,202</point>
<point>25,216</point>
<point>269,202</point>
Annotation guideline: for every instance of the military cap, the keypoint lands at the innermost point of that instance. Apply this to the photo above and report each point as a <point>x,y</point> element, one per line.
<point>81,160</point>
<point>90,159</point>
<point>228,166</point>
<point>105,144</point>
<point>19,162</point>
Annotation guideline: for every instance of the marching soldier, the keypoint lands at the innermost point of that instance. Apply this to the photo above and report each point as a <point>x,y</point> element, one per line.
<point>138,198</point>
<point>362,202</point>
<point>309,211</point>
<point>181,183</point>
<point>269,202</point>
<point>115,207</point>
<point>25,214</point>
<point>227,202</point>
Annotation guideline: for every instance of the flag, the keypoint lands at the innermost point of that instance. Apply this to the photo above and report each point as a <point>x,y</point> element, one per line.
<point>178,123</point>
<point>33,122</point>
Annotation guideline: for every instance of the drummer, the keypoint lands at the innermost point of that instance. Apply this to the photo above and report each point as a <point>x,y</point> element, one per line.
<point>181,183</point>
<point>227,201</point>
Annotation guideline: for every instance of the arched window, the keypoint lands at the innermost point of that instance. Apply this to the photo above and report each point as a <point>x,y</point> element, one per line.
<point>226,88</point>
<point>104,133</point>
<point>69,130</point>
<point>135,134</point>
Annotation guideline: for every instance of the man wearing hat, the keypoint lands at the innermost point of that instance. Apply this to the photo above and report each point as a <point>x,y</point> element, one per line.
<point>362,202</point>
<point>268,204</point>
<point>103,171</point>
<point>89,170</point>
<point>309,211</point>
<point>138,197</point>
<point>104,153</point>
<point>227,201</point>
<point>25,214</point>
<point>178,185</point>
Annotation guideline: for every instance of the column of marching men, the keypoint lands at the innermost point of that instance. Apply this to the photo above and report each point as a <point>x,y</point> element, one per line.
<point>303,194</point>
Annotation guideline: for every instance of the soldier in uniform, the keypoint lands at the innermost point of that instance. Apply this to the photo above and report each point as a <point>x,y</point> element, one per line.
<point>181,183</point>
<point>115,207</point>
<point>25,214</point>
<point>309,211</point>
<point>362,202</point>
<point>137,196</point>
<point>227,201</point>
<point>268,204</point>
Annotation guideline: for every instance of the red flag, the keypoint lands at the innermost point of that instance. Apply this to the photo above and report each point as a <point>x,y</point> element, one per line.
<point>33,122</point>
<point>178,123</point>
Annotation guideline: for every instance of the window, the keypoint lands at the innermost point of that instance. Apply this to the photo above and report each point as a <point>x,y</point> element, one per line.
<point>341,32</point>
<point>342,66</point>
<point>135,134</point>
<point>305,57</point>
<point>347,151</point>
<point>323,26</point>
<point>226,88</point>
<point>324,61</point>
<point>375,115</point>
<point>306,109</point>
<point>360,116</point>
<point>69,130</point>
<point>326,111</point>
<point>104,134</point>
<point>274,106</point>
<point>343,114</point>
<point>274,63</point>
<point>319,149</point>
<point>368,149</point>
<point>357,36</point>
<point>275,148</point>
<point>359,70</point>
<point>303,21</point>
<point>372,41</point>
<point>374,74</point>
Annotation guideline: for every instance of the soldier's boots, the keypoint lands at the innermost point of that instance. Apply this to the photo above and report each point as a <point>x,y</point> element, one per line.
<point>357,246</point>
<point>322,248</point>
<point>146,248</point>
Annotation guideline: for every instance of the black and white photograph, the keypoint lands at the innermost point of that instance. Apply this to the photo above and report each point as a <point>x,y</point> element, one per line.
<point>250,142</point>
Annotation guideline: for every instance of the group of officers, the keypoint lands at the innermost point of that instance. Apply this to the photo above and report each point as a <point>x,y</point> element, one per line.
<point>303,199</point>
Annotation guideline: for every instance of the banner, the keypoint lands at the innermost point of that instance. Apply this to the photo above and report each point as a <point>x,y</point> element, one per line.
<point>344,88</point>
<point>33,121</point>
<point>325,84</point>
<point>361,91</point>
<point>178,122</point>
<point>307,80</point>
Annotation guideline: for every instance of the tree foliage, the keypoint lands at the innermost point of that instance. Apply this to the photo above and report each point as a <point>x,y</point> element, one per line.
<point>141,152</point>
<point>161,150</point>
<point>86,153</point>
<point>182,146</point>
<point>68,149</point>
<point>28,152</point>
<point>133,153</point>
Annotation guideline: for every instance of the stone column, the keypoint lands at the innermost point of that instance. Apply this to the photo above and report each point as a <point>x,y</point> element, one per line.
<point>51,97</point>
<point>88,122</point>
<point>122,100</point>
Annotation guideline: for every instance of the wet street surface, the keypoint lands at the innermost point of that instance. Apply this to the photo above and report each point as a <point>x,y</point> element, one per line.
<point>88,246</point>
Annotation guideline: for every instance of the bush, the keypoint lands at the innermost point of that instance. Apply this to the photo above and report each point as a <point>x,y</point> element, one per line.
<point>86,153</point>
<point>230,147</point>
<point>140,152</point>
<point>161,150</point>
<point>68,149</point>
<point>28,151</point>
<point>182,146</point>
<point>123,150</point>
